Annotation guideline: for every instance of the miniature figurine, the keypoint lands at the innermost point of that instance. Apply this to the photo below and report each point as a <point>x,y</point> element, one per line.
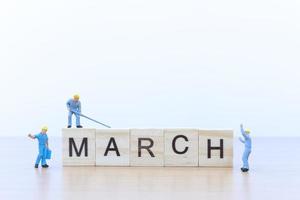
<point>248,146</point>
<point>74,107</point>
<point>43,147</point>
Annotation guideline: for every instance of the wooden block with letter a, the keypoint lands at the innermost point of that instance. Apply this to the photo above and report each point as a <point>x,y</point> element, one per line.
<point>216,148</point>
<point>78,146</point>
<point>181,147</point>
<point>112,147</point>
<point>146,147</point>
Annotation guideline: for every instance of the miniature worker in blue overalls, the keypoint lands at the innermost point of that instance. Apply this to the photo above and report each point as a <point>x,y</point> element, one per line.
<point>247,150</point>
<point>43,147</point>
<point>74,107</point>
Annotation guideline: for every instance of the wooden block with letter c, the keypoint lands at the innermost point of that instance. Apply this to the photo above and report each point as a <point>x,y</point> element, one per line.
<point>181,147</point>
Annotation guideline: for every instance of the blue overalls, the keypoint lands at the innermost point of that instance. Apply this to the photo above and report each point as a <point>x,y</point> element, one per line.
<point>247,151</point>
<point>43,139</point>
<point>76,106</point>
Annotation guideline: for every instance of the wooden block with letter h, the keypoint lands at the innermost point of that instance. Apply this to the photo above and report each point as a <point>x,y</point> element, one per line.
<point>79,146</point>
<point>216,148</point>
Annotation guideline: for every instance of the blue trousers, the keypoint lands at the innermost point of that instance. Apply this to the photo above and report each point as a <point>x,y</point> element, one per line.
<point>41,156</point>
<point>70,118</point>
<point>245,158</point>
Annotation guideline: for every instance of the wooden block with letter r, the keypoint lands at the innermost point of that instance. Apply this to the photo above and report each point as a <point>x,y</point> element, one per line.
<point>79,146</point>
<point>216,148</point>
<point>146,147</point>
<point>112,147</point>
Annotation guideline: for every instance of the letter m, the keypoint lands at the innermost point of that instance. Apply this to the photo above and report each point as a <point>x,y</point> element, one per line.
<point>84,144</point>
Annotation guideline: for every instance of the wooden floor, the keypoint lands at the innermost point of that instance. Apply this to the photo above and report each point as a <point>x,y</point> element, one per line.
<point>274,174</point>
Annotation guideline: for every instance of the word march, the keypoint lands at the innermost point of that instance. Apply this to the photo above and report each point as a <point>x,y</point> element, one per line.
<point>147,147</point>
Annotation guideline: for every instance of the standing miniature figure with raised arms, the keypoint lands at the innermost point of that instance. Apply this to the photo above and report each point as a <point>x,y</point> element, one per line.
<point>248,145</point>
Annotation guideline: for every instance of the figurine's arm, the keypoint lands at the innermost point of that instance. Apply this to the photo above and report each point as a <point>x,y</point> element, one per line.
<point>31,136</point>
<point>242,141</point>
<point>243,132</point>
<point>68,105</point>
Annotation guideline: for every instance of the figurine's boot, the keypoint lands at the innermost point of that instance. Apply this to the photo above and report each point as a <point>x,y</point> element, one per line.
<point>244,169</point>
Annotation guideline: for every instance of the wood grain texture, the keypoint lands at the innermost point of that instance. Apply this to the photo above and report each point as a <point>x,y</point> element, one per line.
<point>273,175</point>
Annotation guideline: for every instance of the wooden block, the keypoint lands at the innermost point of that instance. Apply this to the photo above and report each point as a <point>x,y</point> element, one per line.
<point>112,147</point>
<point>181,147</point>
<point>78,146</point>
<point>146,147</point>
<point>216,148</point>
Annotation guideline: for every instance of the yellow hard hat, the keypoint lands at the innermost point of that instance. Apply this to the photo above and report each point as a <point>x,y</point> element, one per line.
<point>44,128</point>
<point>76,96</point>
<point>247,130</point>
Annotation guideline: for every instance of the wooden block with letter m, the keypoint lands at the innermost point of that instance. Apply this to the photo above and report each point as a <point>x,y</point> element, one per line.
<point>79,147</point>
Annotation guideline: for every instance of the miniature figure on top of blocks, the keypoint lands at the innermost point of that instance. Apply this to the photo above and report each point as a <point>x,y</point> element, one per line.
<point>74,107</point>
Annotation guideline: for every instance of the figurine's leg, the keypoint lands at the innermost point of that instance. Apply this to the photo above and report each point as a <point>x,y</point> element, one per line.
<point>77,120</point>
<point>44,156</point>
<point>38,159</point>
<point>70,118</point>
<point>44,160</point>
<point>245,158</point>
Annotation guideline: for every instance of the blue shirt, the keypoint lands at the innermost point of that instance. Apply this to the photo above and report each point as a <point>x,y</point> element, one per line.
<point>247,140</point>
<point>42,138</point>
<point>74,105</point>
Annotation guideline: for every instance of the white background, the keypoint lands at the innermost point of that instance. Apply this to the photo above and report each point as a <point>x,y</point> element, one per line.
<point>158,63</point>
